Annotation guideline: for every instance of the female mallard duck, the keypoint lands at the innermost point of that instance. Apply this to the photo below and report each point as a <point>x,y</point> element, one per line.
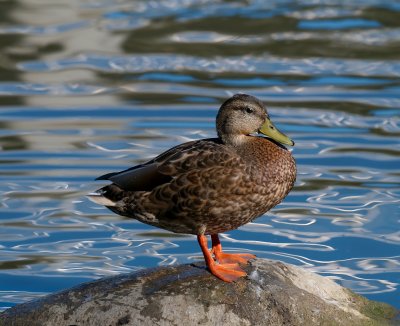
<point>208,186</point>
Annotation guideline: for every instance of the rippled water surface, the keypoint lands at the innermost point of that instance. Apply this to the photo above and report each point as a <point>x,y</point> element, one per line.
<point>89,87</point>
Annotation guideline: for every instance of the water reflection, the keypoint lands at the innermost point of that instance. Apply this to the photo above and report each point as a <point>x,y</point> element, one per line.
<point>265,64</point>
<point>98,86</point>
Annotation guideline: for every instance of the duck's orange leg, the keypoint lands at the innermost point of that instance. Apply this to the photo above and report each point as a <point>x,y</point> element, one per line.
<point>224,258</point>
<point>226,272</point>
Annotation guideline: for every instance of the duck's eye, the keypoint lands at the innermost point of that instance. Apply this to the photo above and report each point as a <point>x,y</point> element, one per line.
<point>249,110</point>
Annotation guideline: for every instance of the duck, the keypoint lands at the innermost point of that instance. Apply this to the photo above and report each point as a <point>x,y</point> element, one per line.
<point>209,186</point>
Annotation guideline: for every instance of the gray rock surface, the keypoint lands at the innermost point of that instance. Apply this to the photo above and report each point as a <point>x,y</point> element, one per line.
<point>274,293</point>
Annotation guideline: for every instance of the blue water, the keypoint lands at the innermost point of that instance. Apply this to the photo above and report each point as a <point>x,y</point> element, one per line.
<point>88,88</point>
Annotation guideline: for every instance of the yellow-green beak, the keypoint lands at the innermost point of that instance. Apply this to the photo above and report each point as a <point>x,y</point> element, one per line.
<point>269,130</point>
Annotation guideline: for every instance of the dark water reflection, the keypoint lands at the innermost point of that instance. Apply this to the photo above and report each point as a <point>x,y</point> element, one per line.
<point>96,86</point>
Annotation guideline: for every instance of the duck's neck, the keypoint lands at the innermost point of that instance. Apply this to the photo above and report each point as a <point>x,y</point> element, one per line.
<point>235,141</point>
<point>258,151</point>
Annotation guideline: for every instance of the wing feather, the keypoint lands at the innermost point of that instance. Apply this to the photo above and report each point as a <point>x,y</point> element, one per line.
<point>177,160</point>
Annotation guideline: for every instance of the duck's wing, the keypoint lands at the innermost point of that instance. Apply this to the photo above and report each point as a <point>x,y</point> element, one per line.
<point>191,155</point>
<point>139,178</point>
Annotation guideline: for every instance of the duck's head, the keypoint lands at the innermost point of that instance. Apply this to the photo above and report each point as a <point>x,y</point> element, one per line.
<point>243,115</point>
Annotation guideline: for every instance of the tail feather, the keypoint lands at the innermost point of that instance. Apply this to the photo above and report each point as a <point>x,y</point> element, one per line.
<point>98,198</point>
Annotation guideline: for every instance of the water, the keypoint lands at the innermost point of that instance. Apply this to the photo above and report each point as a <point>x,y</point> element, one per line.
<point>90,87</point>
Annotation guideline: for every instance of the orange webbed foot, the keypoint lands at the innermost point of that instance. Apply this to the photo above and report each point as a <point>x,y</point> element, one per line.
<point>225,266</point>
<point>225,258</point>
<point>227,272</point>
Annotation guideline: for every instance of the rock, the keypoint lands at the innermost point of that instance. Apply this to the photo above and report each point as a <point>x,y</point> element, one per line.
<point>274,294</point>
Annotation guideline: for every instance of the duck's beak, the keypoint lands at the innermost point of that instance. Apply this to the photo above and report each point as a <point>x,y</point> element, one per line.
<point>269,130</point>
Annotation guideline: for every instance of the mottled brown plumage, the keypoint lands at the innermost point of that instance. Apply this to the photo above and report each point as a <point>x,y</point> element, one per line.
<point>211,185</point>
